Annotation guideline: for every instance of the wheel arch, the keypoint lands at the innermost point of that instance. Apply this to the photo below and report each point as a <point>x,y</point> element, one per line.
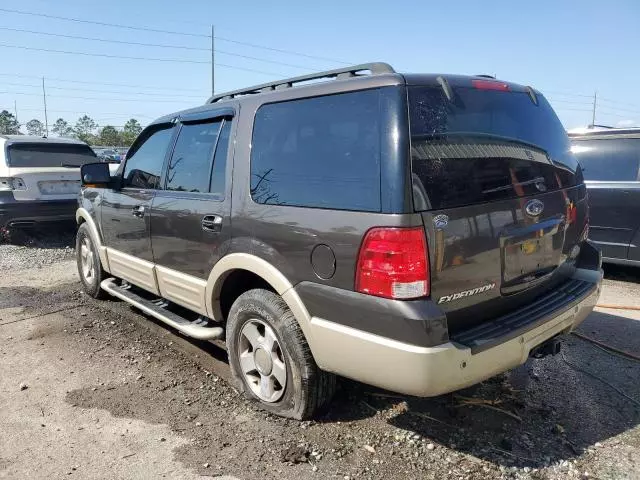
<point>83,216</point>
<point>270,275</point>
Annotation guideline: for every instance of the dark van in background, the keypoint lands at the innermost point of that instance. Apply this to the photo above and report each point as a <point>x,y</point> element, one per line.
<point>610,159</point>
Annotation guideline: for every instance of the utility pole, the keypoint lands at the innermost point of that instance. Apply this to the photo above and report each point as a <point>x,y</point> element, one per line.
<point>213,69</point>
<point>15,109</point>
<point>44,99</point>
<point>595,99</point>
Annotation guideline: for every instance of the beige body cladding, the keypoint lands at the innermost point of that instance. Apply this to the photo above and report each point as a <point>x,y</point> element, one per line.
<point>352,353</point>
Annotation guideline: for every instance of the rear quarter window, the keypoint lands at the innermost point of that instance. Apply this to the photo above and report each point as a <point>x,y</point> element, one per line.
<point>608,159</point>
<point>321,152</point>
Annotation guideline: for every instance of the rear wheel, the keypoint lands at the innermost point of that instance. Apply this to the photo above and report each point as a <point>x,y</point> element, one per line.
<point>89,266</point>
<point>270,359</point>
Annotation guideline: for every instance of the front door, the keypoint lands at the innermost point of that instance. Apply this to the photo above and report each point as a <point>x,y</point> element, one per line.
<point>126,211</point>
<point>190,215</point>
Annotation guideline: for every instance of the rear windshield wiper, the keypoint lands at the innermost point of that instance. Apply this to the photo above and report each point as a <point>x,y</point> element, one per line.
<point>537,180</point>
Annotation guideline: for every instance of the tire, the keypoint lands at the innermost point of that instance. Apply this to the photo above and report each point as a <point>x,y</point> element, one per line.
<point>87,254</point>
<point>307,388</point>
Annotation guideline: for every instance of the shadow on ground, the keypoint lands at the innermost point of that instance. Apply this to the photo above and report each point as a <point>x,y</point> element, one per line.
<point>50,235</point>
<point>621,273</point>
<point>543,411</point>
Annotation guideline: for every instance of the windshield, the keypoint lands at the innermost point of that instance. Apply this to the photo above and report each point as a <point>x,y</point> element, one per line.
<point>485,145</point>
<point>49,155</point>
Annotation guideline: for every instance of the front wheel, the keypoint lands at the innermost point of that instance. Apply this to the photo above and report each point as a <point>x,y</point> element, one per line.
<point>89,266</point>
<point>270,359</point>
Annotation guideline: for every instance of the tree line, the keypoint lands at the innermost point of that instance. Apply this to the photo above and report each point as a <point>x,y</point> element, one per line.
<point>85,129</point>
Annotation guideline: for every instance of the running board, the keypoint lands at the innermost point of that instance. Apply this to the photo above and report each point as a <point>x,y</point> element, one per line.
<point>192,329</point>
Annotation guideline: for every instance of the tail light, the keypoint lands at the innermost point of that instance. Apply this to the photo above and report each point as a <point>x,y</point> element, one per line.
<point>393,263</point>
<point>8,184</point>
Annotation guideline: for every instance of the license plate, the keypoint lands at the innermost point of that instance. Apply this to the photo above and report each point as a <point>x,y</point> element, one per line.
<point>59,187</point>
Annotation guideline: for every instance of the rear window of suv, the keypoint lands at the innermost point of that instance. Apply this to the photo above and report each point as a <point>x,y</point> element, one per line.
<point>321,152</point>
<point>485,145</point>
<point>49,155</point>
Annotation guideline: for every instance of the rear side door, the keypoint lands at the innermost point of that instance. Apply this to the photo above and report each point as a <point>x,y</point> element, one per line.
<point>610,166</point>
<point>190,214</point>
<point>126,211</point>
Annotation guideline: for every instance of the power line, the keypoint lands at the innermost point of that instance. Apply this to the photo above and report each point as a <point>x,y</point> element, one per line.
<point>104,24</point>
<point>106,40</point>
<point>128,85</point>
<point>615,102</point>
<point>564,109</point>
<point>565,94</point>
<point>173,32</point>
<point>106,55</point>
<point>130,115</point>
<point>159,45</point>
<point>102,91</point>
<point>92,98</point>
<point>552,100</point>
<point>175,60</point>
<point>279,50</point>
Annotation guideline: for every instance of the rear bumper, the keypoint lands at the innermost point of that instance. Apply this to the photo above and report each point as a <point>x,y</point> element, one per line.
<point>429,371</point>
<point>16,213</point>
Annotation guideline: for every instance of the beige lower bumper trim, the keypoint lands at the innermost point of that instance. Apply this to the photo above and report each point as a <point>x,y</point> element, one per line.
<point>431,371</point>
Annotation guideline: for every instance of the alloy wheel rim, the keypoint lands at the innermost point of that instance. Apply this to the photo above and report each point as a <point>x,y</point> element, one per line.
<point>86,260</point>
<point>261,361</point>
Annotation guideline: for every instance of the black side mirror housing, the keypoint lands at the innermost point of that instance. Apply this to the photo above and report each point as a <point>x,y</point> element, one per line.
<point>95,174</point>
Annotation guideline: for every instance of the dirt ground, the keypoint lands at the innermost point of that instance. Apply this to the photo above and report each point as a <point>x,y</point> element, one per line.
<point>93,389</point>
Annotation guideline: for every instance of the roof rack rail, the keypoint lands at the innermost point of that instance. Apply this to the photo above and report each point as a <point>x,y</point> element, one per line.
<point>376,68</point>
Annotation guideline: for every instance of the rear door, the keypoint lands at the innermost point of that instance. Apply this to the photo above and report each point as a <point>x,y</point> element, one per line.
<point>190,215</point>
<point>610,166</point>
<point>502,196</point>
<point>126,211</point>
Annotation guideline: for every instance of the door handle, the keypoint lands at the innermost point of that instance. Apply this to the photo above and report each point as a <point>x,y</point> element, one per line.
<point>138,211</point>
<point>212,223</point>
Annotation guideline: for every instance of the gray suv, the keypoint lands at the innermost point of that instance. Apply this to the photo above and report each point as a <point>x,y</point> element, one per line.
<point>419,233</point>
<point>610,160</point>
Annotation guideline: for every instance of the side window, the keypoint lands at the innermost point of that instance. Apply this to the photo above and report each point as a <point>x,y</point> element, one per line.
<point>220,161</point>
<point>608,160</point>
<point>318,152</point>
<point>144,164</point>
<point>190,163</point>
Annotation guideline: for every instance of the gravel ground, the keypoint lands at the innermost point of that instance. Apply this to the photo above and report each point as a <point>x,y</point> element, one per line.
<point>545,420</point>
<point>36,248</point>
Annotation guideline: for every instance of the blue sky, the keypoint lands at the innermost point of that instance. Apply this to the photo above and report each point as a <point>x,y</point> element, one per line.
<point>566,49</point>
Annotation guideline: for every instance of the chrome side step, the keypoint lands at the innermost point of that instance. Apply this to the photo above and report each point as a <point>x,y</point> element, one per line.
<point>156,309</point>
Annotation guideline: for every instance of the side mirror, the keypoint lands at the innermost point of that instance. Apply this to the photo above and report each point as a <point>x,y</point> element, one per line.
<point>95,174</point>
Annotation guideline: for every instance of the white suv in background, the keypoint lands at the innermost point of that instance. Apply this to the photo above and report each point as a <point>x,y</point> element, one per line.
<point>40,179</point>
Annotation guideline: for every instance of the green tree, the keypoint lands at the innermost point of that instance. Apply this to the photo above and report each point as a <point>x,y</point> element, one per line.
<point>85,126</point>
<point>8,124</point>
<point>131,130</point>
<point>61,128</point>
<point>35,127</point>
<point>110,136</point>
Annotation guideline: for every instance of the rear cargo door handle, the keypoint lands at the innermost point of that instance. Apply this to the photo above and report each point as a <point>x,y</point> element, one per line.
<point>212,223</point>
<point>138,211</point>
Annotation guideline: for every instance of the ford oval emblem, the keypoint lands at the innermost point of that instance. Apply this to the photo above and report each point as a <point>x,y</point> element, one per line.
<point>440,221</point>
<point>534,208</point>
